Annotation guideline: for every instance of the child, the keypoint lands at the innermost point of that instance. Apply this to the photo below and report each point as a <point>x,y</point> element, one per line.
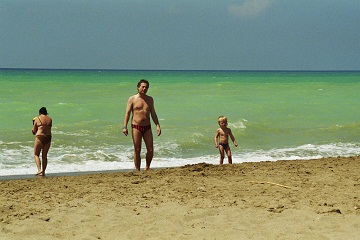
<point>221,139</point>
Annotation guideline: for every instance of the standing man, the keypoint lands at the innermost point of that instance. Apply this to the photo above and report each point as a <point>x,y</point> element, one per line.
<point>141,106</point>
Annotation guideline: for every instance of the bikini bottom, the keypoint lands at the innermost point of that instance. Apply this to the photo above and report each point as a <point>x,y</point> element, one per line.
<point>44,139</point>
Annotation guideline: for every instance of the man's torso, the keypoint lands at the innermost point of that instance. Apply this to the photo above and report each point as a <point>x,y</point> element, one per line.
<point>141,108</point>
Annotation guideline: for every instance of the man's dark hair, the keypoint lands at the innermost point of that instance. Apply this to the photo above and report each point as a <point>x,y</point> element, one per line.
<point>143,81</point>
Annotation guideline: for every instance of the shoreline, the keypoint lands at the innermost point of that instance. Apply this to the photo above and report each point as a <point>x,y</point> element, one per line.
<point>285,199</point>
<point>70,174</point>
<point>61,174</point>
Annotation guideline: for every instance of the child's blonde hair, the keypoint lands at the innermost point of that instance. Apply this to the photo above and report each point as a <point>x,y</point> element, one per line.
<point>222,119</point>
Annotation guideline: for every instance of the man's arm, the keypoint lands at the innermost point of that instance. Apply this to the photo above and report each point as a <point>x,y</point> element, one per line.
<point>127,115</point>
<point>155,118</point>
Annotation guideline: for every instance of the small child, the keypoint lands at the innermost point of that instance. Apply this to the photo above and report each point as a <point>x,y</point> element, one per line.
<point>222,139</point>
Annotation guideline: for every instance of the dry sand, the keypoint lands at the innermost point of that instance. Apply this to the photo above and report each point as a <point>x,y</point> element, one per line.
<point>302,199</point>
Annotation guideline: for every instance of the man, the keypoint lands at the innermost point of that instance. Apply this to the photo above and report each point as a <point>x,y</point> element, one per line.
<point>141,106</point>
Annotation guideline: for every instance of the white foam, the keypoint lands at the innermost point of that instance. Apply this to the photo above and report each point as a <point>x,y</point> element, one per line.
<point>78,134</point>
<point>239,124</point>
<point>307,151</point>
<point>72,159</point>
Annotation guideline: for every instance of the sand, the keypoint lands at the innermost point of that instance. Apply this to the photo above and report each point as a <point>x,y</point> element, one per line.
<point>302,199</point>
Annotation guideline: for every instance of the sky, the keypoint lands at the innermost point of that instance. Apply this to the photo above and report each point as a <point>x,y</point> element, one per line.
<point>180,34</point>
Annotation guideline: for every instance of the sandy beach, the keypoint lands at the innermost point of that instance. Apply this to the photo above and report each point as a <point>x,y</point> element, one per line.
<point>302,199</point>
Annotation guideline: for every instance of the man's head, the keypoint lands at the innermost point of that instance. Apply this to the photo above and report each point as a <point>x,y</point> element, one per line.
<point>143,81</point>
<point>143,86</point>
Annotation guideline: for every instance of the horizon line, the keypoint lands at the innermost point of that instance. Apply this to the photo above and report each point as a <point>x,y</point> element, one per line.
<point>184,70</point>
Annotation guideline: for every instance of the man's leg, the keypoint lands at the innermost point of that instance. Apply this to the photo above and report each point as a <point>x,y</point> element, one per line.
<point>137,137</point>
<point>149,142</point>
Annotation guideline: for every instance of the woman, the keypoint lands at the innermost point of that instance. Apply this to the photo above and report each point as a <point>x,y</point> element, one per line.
<point>42,130</point>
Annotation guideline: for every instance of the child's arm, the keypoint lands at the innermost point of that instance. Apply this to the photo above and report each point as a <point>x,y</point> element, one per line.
<point>216,138</point>
<point>233,138</point>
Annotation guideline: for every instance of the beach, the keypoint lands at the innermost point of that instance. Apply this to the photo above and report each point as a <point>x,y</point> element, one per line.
<point>297,199</point>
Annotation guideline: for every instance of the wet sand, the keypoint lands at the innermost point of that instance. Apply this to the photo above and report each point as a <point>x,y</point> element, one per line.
<point>302,199</point>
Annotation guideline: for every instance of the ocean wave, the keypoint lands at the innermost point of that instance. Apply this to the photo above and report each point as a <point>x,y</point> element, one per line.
<point>72,159</point>
<point>239,124</point>
<point>83,133</point>
<point>307,151</point>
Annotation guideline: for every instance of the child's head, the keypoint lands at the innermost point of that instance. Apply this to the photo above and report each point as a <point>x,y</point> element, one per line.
<point>222,120</point>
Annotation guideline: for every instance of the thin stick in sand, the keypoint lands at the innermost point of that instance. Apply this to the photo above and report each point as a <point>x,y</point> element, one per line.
<point>271,183</point>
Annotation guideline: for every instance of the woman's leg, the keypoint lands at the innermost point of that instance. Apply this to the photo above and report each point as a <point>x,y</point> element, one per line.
<point>44,157</point>
<point>37,149</point>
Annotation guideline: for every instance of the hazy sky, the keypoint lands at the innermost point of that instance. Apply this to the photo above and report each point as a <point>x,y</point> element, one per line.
<point>180,34</point>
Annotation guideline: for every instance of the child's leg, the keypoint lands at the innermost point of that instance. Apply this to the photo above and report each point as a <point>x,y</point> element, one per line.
<point>228,153</point>
<point>222,155</point>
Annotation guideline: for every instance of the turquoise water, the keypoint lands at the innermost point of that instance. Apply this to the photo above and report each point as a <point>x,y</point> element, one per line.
<point>273,115</point>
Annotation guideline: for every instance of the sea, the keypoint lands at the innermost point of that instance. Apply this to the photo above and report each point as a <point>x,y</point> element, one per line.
<point>274,115</point>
